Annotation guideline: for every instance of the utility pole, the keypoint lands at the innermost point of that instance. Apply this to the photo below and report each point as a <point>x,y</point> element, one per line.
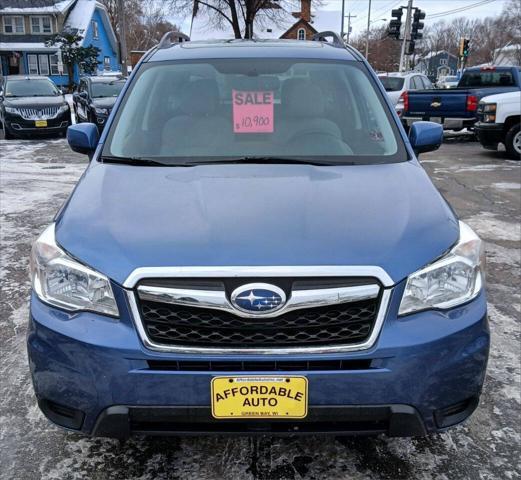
<point>367,32</point>
<point>342,22</point>
<point>122,37</point>
<point>406,36</point>
<point>349,17</point>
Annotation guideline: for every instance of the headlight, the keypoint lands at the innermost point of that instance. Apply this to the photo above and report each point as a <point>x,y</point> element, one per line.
<point>61,281</point>
<point>489,107</point>
<point>63,109</point>
<point>489,112</point>
<point>454,279</point>
<point>102,111</point>
<point>12,110</point>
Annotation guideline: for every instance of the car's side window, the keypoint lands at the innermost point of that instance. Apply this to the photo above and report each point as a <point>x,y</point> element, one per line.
<point>415,84</point>
<point>426,82</point>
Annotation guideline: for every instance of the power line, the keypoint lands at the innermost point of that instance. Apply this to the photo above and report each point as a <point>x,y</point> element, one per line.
<point>460,9</point>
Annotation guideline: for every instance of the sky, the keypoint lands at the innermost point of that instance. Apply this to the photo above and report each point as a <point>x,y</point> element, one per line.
<point>381,9</point>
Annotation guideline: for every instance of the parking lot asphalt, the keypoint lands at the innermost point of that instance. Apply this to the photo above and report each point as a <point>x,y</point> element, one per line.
<point>485,190</point>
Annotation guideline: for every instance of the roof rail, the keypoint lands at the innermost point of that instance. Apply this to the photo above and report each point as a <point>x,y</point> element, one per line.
<point>169,38</point>
<point>322,37</point>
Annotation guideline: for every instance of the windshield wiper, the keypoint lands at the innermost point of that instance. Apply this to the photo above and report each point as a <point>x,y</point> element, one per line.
<point>139,161</point>
<point>267,160</point>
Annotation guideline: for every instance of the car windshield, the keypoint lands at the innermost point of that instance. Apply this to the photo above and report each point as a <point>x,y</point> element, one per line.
<point>392,84</point>
<point>262,109</point>
<point>450,79</point>
<point>487,78</point>
<point>107,89</point>
<point>31,88</point>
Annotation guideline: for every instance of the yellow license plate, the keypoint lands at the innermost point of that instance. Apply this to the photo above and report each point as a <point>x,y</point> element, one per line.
<point>259,397</point>
<point>40,123</point>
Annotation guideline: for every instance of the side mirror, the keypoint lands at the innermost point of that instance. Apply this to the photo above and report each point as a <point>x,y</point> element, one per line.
<point>425,136</point>
<point>83,138</point>
<point>83,95</point>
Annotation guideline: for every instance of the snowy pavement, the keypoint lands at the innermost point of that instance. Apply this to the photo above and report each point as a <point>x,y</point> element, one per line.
<point>485,189</point>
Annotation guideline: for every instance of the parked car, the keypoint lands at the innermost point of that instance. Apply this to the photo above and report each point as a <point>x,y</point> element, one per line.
<point>95,97</point>
<point>456,108</point>
<point>450,81</point>
<point>499,118</point>
<point>397,83</point>
<point>255,248</point>
<point>31,106</point>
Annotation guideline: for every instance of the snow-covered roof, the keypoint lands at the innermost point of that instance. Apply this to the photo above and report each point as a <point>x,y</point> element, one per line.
<point>321,21</point>
<point>429,55</point>
<point>26,47</point>
<point>80,16</point>
<point>34,6</point>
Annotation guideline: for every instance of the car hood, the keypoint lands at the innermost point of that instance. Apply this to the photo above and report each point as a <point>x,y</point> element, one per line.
<point>105,102</point>
<point>34,102</point>
<point>123,217</point>
<point>510,97</point>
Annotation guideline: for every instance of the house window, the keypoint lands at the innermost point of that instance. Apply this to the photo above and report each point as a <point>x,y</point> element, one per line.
<point>13,25</point>
<point>301,34</point>
<point>41,24</point>
<point>95,30</point>
<point>106,64</point>
<point>43,64</point>
<point>53,61</point>
<point>444,61</point>
<point>32,61</point>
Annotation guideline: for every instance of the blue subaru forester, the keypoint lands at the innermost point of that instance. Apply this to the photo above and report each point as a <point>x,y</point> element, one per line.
<point>255,248</point>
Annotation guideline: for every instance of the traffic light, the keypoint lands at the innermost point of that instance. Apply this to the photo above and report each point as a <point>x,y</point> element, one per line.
<point>417,24</point>
<point>466,49</point>
<point>396,23</point>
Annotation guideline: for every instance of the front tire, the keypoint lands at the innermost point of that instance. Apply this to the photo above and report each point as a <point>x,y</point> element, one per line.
<point>7,134</point>
<point>513,142</point>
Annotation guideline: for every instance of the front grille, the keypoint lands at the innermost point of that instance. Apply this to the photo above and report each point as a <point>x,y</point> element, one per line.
<point>36,113</point>
<point>169,324</point>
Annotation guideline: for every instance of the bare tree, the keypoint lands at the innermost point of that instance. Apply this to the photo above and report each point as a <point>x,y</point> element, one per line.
<point>146,22</point>
<point>240,16</point>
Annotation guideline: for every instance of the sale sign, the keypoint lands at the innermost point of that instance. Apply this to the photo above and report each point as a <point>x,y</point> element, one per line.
<point>252,111</point>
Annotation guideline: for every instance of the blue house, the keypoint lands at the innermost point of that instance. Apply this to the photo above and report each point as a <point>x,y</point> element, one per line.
<point>26,25</point>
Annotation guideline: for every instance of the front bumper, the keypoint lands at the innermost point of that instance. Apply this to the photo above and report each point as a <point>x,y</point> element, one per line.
<point>490,134</point>
<point>17,125</point>
<point>92,373</point>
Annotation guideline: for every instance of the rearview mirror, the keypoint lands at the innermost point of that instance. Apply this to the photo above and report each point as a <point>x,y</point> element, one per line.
<point>83,138</point>
<point>425,137</point>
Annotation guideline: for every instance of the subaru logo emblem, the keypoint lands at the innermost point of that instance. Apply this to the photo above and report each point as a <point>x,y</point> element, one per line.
<point>258,298</point>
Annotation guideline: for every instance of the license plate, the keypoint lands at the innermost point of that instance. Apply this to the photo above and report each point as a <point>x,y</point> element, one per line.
<point>436,119</point>
<point>40,123</point>
<point>259,397</point>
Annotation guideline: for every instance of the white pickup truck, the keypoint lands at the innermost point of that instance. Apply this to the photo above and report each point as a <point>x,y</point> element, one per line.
<point>499,122</point>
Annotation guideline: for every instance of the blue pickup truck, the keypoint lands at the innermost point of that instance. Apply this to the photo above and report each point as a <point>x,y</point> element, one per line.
<point>456,108</point>
<point>255,248</point>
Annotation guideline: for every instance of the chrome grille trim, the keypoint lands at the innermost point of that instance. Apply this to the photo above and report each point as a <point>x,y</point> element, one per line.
<point>382,312</point>
<point>45,113</point>
<point>259,271</point>
<point>217,300</point>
